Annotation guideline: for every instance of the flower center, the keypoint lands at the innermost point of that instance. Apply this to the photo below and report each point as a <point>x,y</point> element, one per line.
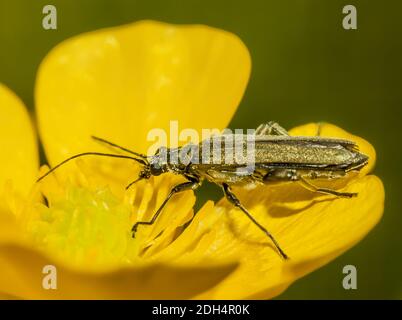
<point>85,227</point>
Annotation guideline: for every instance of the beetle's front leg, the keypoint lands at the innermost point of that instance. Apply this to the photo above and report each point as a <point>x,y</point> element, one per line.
<point>193,184</point>
<point>236,202</point>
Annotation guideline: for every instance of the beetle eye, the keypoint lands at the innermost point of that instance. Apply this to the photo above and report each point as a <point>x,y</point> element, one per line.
<point>156,169</point>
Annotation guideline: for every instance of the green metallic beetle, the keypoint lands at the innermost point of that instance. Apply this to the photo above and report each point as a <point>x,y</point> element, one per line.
<point>276,157</point>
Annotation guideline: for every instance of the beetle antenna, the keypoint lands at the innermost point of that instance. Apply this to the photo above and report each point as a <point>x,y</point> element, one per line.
<point>91,154</point>
<point>119,147</point>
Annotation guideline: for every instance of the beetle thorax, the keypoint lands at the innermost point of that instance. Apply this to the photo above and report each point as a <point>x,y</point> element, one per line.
<point>173,160</point>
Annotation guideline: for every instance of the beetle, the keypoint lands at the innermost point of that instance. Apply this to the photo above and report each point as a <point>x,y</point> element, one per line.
<point>277,157</point>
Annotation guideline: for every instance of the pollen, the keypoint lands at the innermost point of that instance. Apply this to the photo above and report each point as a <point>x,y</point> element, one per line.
<point>85,227</point>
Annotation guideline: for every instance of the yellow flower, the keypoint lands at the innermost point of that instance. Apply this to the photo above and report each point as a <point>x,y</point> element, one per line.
<point>118,84</point>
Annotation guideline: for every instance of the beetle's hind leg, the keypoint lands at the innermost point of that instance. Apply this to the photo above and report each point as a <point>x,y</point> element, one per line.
<point>236,202</point>
<point>270,128</point>
<point>309,186</point>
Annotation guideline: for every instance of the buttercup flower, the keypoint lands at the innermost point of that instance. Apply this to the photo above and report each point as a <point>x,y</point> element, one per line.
<point>118,84</point>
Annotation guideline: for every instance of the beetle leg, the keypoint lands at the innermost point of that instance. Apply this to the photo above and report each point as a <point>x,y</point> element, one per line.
<point>309,186</point>
<point>236,202</point>
<point>270,128</point>
<point>319,128</point>
<point>193,184</point>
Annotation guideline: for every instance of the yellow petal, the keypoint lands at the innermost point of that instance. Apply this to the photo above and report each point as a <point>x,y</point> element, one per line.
<point>121,82</point>
<point>22,277</point>
<point>18,156</point>
<point>22,265</point>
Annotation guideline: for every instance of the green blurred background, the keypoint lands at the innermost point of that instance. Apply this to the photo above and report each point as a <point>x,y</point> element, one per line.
<point>306,67</point>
